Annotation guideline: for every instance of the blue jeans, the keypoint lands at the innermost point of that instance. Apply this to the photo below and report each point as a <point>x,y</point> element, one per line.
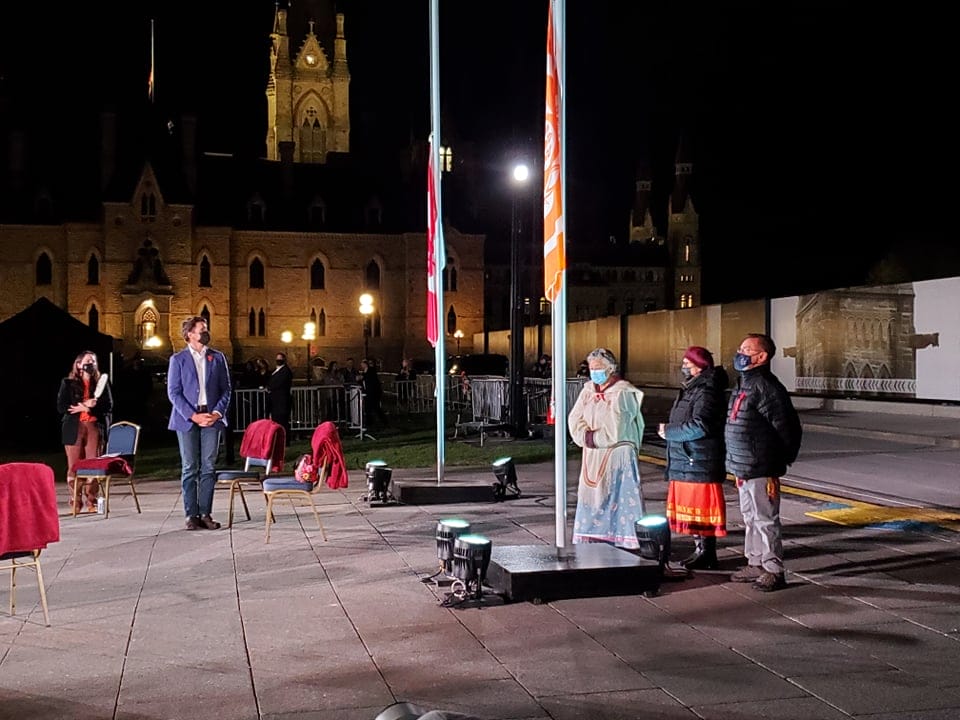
<point>198,456</point>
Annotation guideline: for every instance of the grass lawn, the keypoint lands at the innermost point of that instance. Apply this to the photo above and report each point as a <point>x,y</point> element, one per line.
<point>408,442</point>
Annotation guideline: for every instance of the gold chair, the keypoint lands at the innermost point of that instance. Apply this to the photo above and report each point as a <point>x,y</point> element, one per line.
<point>293,489</point>
<point>29,521</point>
<point>122,442</point>
<point>254,468</point>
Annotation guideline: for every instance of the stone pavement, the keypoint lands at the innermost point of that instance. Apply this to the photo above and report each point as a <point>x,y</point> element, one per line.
<point>151,622</point>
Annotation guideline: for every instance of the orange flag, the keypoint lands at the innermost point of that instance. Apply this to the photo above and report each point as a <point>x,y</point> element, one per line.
<point>554,253</point>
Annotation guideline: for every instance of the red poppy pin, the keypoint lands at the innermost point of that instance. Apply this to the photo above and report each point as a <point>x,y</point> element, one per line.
<point>209,358</point>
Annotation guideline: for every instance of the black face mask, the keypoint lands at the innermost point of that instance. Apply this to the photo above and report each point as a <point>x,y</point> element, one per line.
<point>89,368</point>
<point>205,338</point>
<point>281,363</point>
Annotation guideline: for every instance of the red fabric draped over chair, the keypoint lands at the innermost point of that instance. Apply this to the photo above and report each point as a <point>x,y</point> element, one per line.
<point>28,507</point>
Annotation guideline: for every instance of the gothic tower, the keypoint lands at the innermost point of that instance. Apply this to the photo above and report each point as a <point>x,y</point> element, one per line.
<point>308,98</point>
<point>642,229</point>
<point>683,234</point>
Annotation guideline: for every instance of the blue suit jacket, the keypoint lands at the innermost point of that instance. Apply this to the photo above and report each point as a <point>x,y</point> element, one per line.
<point>183,387</point>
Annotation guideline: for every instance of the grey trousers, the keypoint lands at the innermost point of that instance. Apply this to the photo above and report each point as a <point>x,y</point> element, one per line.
<point>763,534</point>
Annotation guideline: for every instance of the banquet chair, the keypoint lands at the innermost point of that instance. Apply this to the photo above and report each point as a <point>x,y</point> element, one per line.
<point>262,448</point>
<point>328,455</point>
<point>29,521</point>
<point>116,465</point>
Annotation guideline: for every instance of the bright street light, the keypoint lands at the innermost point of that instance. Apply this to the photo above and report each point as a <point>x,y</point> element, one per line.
<point>520,173</point>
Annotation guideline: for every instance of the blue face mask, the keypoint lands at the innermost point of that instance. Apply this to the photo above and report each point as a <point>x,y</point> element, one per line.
<point>599,376</point>
<point>741,361</point>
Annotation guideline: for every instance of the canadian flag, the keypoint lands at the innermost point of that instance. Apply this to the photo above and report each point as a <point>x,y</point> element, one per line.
<point>554,252</point>
<point>433,322</point>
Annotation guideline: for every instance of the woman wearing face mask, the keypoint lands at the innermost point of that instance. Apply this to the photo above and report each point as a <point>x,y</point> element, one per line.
<point>607,423</point>
<point>85,420</point>
<point>695,456</point>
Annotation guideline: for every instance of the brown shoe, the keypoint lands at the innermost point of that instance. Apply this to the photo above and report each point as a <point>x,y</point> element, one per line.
<point>768,582</point>
<point>209,523</point>
<point>193,523</point>
<point>747,574</point>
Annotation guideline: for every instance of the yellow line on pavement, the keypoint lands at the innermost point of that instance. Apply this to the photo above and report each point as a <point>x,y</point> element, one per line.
<point>857,513</point>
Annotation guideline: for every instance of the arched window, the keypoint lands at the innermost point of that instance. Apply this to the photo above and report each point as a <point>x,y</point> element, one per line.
<point>205,272</point>
<point>262,323</point>
<point>93,270</point>
<point>205,314</point>
<point>313,138</point>
<point>316,275</point>
<point>322,323</point>
<point>256,273</point>
<point>451,321</point>
<point>44,270</point>
<point>148,207</point>
<point>372,276</point>
<point>450,275</point>
<point>148,325</point>
<point>252,323</point>
<point>93,318</point>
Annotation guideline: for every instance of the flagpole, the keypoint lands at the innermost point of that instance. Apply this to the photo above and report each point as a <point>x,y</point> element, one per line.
<point>554,234</point>
<point>439,251</point>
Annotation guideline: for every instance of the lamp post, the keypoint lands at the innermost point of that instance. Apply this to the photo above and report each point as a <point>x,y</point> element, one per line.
<point>309,334</point>
<point>366,310</point>
<point>518,415</point>
<point>458,335</point>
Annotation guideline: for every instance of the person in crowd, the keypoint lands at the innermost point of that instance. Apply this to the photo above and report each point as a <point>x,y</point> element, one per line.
<point>695,457</point>
<point>372,391</point>
<point>763,435</point>
<point>543,368</point>
<point>349,372</point>
<point>405,381</point>
<point>583,370</point>
<point>332,392</point>
<point>280,394</point>
<point>85,420</point>
<point>198,385</point>
<point>607,422</point>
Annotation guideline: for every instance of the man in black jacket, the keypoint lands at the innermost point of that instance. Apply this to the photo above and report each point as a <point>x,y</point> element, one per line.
<point>763,436</point>
<point>279,394</point>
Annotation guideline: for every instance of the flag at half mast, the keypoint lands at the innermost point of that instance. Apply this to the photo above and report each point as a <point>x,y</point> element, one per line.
<point>554,252</point>
<point>434,246</point>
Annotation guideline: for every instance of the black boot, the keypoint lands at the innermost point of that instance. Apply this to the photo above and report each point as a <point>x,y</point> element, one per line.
<point>705,556</point>
<point>697,551</point>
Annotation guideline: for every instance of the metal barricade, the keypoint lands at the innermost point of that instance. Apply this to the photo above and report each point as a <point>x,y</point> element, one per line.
<point>310,405</point>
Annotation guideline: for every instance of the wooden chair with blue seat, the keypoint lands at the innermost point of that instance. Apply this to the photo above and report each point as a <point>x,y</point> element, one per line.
<point>262,448</point>
<point>116,465</point>
<point>328,457</point>
<point>29,521</point>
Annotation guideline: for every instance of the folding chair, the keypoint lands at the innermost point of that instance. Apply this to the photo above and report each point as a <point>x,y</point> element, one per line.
<point>255,468</point>
<point>29,521</point>
<point>328,453</point>
<point>115,465</point>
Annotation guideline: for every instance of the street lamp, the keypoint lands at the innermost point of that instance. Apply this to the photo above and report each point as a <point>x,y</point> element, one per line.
<point>366,310</point>
<point>458,335</point>
<point>518,416</point>
<point>309,334</point>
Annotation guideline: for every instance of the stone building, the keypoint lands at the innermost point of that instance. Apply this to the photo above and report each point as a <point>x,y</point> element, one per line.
<point>146,235</point>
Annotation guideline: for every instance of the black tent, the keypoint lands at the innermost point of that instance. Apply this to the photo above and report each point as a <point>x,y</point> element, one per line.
<point>39,345</point>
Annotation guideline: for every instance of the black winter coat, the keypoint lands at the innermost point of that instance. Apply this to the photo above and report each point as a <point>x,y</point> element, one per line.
<point>763,429</point>
<point>70,393</point>
<point>694,432</point>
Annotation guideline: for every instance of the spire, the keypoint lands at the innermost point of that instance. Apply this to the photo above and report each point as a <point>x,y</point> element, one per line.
<point>340,49</point>
<point>683,170</point>
<point>641,222</point>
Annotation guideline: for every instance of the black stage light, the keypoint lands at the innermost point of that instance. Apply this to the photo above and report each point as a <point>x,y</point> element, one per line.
<point>506,485</point>
<point>471,558</point>
<point>379,482</point>
<point>653,534</point>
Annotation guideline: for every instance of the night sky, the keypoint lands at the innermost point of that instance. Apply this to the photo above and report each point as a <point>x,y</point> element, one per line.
<point>819,131</point>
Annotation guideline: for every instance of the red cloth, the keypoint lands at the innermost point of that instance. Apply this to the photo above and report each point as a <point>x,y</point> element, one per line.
<point>29,519</point>
<point>106,465</point>
<point>265,439</point>
<point>326,446</point>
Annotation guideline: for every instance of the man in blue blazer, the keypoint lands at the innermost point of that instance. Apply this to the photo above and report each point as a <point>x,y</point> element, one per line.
<point>198,385</point>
